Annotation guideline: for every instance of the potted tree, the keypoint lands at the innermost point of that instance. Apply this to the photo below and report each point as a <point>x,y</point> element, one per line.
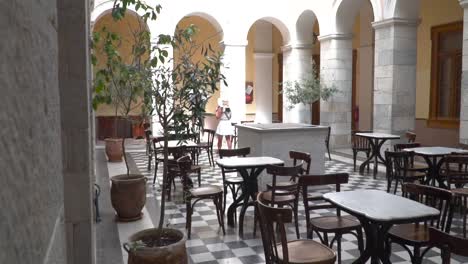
<point>177,95</point>
<point>308,90</point>
<point>121,83</point>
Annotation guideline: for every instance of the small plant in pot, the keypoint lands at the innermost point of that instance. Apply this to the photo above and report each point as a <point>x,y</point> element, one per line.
<point>121,82</point>
<point>308,90</point>
<point>177,96</point>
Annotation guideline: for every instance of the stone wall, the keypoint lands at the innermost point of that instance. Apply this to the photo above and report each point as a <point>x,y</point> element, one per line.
<point>31,220</point>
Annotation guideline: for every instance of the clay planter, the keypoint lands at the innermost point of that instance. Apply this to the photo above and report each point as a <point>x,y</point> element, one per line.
<point>128,196</point>
<point>114,149</point>
<point>146,252</point>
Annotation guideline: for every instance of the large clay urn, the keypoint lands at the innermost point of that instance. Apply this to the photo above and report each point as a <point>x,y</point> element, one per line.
<point>114,150</point>
<point>144,247</point>
<point>128,196</point>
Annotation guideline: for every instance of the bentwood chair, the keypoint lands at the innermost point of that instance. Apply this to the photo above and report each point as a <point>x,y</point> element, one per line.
<point>454,170</point>
<point>279,195</point>
<point>207,146</point>
<point>193,195</point>
<point>158,152</point>
<point>298,157</point>
<point>410,136</point>
<point>233,183</point>
<point>360,144</point>
<point>412,166</point>
<point>398,169</point>
<point>277,248</point>
<point>416,235</point>
<point>447,244</point>
<point>334,224</point>
<point>149,148</point>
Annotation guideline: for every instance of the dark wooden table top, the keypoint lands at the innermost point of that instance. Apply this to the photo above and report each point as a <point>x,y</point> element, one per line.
<point>379,206</point>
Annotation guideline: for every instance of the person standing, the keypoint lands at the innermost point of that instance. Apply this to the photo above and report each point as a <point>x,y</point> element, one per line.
<point>225,128</point>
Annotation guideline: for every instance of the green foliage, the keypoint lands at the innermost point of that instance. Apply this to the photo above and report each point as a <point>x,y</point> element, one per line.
<point>307,90</point>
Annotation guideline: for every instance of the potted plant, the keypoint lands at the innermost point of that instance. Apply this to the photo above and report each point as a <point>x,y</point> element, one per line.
<point>308,90</point>
<point>177,95</point>
<point>122,83</point>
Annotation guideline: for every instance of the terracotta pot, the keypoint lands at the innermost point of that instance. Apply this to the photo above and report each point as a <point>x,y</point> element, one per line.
<point>173,253</point>
<point>128,196</point>
<point>114,149</point>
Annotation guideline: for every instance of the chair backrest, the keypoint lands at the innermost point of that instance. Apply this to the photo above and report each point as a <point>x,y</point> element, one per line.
<point>158,143</point>
<point>185,164</point>
<point>304,157</point>
<point>410,136</point>
<point>268,216</point>
<point>402,146</point>
<point>282,171</point>
<point>240,152</point>
<point>397,163</point>
<point>358,142</point>
<point>456,169</point>
<point>438,198</point>
<point>211,134</point>
<point>317,202</point>
<point>448,244</point>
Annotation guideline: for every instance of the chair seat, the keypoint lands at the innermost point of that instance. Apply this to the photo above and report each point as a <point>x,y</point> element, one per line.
<point>307,251</point>
<point>205,191</point>
<point>234,180</point>
<point>411,234</point>
<point>414,175</point>
<point>418,167</point>
<point>193,168</point>
<point>203,145</point>
<point>279,198</point>
<point>334,223</point>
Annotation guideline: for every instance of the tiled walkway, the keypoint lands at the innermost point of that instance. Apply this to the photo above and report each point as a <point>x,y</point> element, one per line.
<point>209,245</point>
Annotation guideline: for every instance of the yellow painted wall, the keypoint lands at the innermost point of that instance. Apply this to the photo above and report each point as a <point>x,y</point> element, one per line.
<point>432,13</point>
<point>206,34</point>
<point>124,28</point>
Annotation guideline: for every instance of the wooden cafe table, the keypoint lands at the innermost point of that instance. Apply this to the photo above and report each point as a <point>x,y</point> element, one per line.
<point>249,168</point>
<point>378,211</point>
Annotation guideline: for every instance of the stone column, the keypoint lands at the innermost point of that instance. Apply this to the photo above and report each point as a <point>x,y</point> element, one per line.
<point>75,113</point>
<point>464,84</point>
<point>395,75</point>
<point>336,62</point>
<point>263,87</point>
<point>234,71</point>
<point>297,64</point>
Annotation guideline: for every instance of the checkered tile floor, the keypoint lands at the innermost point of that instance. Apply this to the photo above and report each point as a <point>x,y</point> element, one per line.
<point>209,245</point>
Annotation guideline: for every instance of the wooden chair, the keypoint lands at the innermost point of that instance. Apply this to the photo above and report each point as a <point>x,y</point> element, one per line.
<point>158,151</point>
<point>214,193</point>
<point>149,148</point>
<point>298,157</point>
<point>277,248</point>
<point>327,142</point>
<point>455,170</point>
<point>279,195</point>
<point>398,169</point>
<point>448,244</point>
<point>412,165</point>
<point>233,183</point>
<point>360,144</point>
<point>416,235</point>
<point>336,224</point>
<point>410,136</point>
<point>208,146</point>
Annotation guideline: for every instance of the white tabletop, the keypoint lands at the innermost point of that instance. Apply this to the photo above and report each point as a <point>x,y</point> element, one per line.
<point>378,135</point>
<point>435,151</point>
<point>248,162</point>
<point>380,206</point>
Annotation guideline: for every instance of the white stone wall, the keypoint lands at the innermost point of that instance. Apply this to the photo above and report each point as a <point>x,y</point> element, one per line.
<point>31,198</point>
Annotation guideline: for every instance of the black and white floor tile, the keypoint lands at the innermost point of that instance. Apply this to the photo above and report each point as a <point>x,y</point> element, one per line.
<point>209,245</point>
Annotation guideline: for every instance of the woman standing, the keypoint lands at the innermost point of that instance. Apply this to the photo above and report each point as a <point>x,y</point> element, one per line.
<point>225,128</point>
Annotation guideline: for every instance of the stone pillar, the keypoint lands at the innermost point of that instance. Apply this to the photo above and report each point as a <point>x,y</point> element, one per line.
<point>336,62</point>
<point>75,112</point>
<point>395,75</point>
<point>234,71</point>
<point>464,84</point>
<point>263,87</point>
<point>297,64</point>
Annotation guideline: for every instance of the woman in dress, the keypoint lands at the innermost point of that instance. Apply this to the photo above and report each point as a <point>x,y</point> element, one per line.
<point>225,128</point>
